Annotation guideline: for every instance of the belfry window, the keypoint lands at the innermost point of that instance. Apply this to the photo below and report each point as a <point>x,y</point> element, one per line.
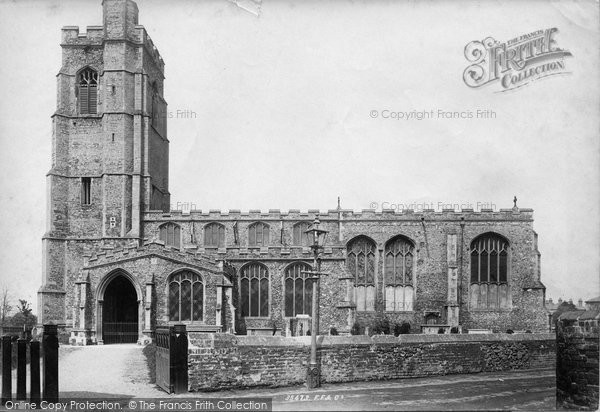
<point>214,235</point>
<point>86,190</point>
<point>489,273</point>
<point>254,290</point>
<point>298,290</point>
<point>186,297</point>
<point>360,262</point>
<point>170,233</point>
<point>399,270</point>
<point>87,91</point>
<point>258,234</point>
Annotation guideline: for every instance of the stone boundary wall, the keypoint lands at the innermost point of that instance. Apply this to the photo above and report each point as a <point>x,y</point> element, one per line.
<point>576,368</point>
<point>224,361</point>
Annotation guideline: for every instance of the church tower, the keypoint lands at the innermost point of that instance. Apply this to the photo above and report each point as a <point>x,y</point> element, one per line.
<point>110,153</point>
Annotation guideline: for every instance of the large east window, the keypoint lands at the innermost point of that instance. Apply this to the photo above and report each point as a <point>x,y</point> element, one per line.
<point>399,272</point>
<point>186,297</point>
<point>489,287</point>
<point>298,290</point>
<point>254,290</point>
<point>360,262</point>
<point>87,91</point>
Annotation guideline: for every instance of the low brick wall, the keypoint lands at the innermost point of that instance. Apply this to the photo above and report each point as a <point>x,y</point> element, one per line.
<point>576,368</point>
<point>222,361</point>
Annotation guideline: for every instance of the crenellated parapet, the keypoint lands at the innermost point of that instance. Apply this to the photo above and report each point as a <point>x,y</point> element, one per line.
<point>343,214</point>
<point>71,36</point>
<point>95,37</point>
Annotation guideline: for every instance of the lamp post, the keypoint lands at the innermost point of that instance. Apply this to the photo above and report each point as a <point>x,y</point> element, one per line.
<point>317,237</point>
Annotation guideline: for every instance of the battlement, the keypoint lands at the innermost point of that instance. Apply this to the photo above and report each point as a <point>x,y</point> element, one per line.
<point>145,39</point>
<point>94,36</point>
<point>520,214</point>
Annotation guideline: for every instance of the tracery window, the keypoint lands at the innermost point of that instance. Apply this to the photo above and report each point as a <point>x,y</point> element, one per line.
<point>170,233</point>
<point>186,297</point>
<point>489,272</point>
<point>214,235</point>
<point>300,237</point>
<point>254,290</point>
<point>87,91</point>
<point>360,262</point>
<point>298,290</point>
<point>258,234</point>
<point>399,274</point>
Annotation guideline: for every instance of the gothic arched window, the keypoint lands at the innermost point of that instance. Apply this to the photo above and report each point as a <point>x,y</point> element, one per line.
<point>186,297</point>
<point>87,91</point>
<point>300,237</point>
<point>214,235</point>
<point>489,272</point>
<point>170,233</point>
<point>258,234</point>
<point>298,290</point>
<point>399,271</point>
<point>360,262</point>
<point>254,290</point>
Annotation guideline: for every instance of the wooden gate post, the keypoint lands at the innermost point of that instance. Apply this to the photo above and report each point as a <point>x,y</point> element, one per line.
<point>6,369</point>
<point>179,358</point>
<point>34,370</point>
<point>21,369</point>
<point>50,343</point>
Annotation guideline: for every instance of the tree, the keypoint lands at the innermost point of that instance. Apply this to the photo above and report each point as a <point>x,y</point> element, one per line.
<point>563,307</point>
<point>24,308</point>
<point>24,316</point>
<point>5,305</point>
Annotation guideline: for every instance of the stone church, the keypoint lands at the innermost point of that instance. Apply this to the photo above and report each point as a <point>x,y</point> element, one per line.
<point>117,261</point>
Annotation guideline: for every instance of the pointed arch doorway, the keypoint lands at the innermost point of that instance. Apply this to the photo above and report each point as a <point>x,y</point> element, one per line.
<point>119,308</point>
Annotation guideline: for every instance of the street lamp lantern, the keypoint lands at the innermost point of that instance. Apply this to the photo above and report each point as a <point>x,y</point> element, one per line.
<point>316,235</point>
<point>317,238</point>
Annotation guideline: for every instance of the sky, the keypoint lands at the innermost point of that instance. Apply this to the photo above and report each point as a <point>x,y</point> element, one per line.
<point>295,106</point>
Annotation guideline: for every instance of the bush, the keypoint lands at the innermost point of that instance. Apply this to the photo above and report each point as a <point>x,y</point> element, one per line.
<point>149,352</point>
<point>356,329</point>
<point>63,337</point>
<point>403,329</point>
<point>381,325</point>
<point>333,332</point>
<point>454,329</point>
<point>528,331</point>
<point>510,331</point>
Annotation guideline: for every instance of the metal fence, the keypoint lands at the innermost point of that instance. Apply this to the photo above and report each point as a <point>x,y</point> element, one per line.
<point>120,332</point>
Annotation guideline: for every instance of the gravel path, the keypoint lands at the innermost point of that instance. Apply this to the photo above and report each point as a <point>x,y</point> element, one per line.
<point>105,371</point>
